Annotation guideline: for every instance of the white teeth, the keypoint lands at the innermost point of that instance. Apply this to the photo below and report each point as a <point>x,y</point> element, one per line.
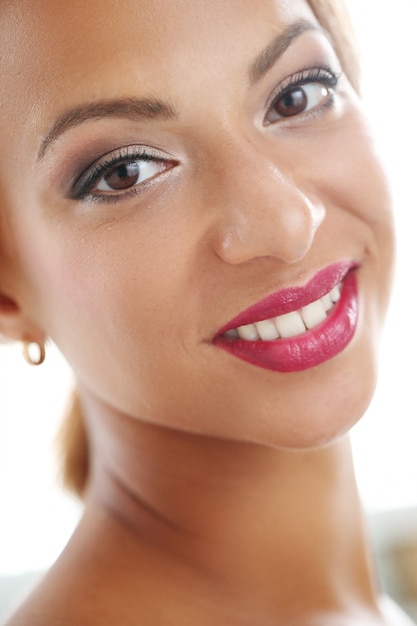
<point>267,330</point>
<point>248,332</point>
<point>335,294</point>
<point>313,314</point>
<point>290,324</point>
<point>327,302</point>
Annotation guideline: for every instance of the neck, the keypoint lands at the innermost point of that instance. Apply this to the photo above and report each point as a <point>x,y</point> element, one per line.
<point>275,526</point>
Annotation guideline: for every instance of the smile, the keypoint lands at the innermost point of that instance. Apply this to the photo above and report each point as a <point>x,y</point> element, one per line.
<point>298,327</point>
<point>289,324</point>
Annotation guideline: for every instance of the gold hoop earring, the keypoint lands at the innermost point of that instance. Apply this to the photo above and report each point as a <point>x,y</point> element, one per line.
<point>28,350</point>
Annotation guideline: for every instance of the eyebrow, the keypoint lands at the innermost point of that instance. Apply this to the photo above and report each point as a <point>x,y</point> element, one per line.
<point>270,55</point>
<point>147,109</point>
<point>128,108</point>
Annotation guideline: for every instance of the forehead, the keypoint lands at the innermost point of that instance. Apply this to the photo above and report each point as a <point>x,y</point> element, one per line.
<point>59,53</point>
<point>73,40</point>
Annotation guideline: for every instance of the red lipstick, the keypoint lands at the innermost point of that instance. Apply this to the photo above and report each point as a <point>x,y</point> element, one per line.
<point>312,347</point>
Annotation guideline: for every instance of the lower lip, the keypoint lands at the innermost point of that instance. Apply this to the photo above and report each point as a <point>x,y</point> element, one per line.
<point>310,349</point>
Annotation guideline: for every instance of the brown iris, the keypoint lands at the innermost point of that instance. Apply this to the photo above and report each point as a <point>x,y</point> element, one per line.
<point>123,176</point>
<point>293,102</point>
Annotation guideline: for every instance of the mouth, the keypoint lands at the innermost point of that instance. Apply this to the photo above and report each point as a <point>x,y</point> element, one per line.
<point>289,324</point>
<point>298,327</point>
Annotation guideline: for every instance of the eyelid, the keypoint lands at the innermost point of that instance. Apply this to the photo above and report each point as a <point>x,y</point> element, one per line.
<point>85,181</point>
<point>319,74</point>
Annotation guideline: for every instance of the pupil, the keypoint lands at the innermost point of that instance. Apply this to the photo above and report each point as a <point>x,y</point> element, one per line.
<point>292,103</point>
<point>123,176</point>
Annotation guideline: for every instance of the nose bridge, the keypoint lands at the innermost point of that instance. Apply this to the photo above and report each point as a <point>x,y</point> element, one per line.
<point>261,208</point>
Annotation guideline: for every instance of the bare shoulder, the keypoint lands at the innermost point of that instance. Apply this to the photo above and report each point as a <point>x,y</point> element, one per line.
<point>393,614</point>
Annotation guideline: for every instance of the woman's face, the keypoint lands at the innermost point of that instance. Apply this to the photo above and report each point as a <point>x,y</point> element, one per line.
<point>166,166</point>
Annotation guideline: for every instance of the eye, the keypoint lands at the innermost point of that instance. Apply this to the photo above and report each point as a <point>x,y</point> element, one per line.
<point>300,99</point>
<point>127,175</point>
<point>308,91</point>
<point>120,173</point>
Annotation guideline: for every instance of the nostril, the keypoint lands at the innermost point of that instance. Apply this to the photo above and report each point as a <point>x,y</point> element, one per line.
<point>263,213</point>
<point>283,232</point>
<point>7,305</point>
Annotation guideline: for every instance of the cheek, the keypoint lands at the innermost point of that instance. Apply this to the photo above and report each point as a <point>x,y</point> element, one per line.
<point>111,301</point>
<point>357,173</point>
<point>348,177</point>
<point>108,288</point>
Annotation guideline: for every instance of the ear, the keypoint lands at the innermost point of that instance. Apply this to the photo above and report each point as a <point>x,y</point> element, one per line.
<point>16,325</point>
<point>16,320</point>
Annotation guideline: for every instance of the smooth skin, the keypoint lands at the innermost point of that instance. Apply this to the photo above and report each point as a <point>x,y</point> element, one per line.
<point>220,492</point>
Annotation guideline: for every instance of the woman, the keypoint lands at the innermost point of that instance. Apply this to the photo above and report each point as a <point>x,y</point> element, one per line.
<point>200,223</point>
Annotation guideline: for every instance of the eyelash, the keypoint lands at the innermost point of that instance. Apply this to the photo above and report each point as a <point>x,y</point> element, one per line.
<point>91,177</point>
<point>324,76</point>
<point>83,188</point>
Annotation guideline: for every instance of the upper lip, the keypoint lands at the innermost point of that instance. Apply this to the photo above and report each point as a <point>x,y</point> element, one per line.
<point>292,298</point>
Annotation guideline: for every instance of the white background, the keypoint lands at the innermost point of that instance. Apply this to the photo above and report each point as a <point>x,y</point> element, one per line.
<point>36,518</point>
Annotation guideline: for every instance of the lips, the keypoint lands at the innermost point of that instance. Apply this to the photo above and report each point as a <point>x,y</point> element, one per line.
<point>317,321</point>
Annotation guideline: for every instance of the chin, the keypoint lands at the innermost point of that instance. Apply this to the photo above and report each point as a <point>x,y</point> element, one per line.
<point>296,411</point>
<point>327,408</point>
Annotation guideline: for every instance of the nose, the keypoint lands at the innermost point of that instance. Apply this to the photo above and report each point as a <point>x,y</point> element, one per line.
<point>263,212</point>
